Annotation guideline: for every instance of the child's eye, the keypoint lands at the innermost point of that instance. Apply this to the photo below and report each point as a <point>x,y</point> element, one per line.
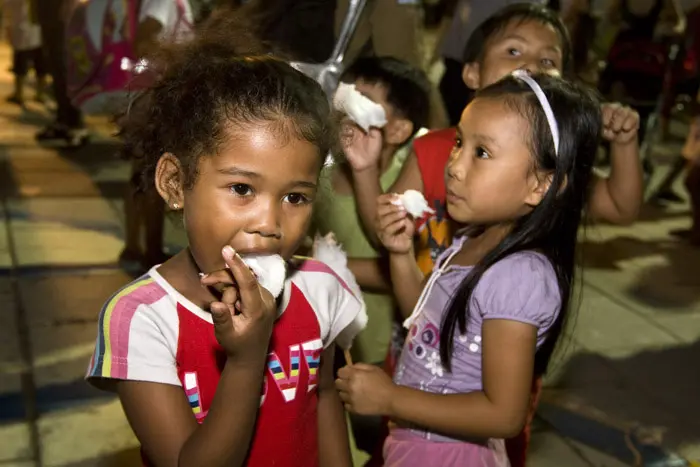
<point>481,153</point>
<point>297,199</point>
<point>241,189</point>
<point>458,143</point>
<point>513,52</point>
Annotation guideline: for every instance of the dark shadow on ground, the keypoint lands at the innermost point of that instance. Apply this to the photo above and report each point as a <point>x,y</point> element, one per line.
<point>655,390</point>
<point>671,281</point>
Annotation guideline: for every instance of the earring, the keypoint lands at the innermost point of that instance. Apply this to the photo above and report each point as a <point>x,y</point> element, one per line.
<point>176,206</point>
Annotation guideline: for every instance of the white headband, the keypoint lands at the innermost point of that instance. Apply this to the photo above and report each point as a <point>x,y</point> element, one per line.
<point>523,75</point>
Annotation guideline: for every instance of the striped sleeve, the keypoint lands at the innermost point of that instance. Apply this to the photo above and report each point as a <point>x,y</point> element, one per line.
<point>136,337</point>
<point>336,300</point>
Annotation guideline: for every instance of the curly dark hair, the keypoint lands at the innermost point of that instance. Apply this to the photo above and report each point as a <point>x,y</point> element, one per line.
<point>219,83</point>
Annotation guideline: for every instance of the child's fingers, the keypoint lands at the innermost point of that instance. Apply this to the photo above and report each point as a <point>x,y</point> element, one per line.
<point>396,228</point>
<point>386,209</point>
<point>217,279</point>
<point>221,315</point>
<point>608,110</point>
<point>247,284</point>
<point>231,299</point>
<point>385,221</point>
<point>387,199</point>
<point>631,121</point>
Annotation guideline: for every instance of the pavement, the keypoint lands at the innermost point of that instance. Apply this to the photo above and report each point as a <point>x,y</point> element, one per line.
<point>623,389</point>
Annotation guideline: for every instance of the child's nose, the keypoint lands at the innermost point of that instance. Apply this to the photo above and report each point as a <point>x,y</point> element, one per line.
<point>267,223</point>
<point>455,168</point>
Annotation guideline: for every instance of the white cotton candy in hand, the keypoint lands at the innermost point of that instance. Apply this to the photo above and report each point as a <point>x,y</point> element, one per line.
<point>329,252</point>
<point>270,270</point>
<point>414,203</point>
<point>361,110</point>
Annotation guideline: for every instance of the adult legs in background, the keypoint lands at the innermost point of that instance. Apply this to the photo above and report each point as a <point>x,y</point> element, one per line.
<point>20,67</point>
<point>144,213</point>
<point>40,72</point>
<point>68,128</point>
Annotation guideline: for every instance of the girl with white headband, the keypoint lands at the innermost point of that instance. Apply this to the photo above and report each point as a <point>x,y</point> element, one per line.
<point>495,305</point>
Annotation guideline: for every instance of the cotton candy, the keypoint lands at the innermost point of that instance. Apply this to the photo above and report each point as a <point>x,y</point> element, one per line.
<point>270,270</point>
<point>415,204</point>
<point>328,251</point>
<point>358,108</point>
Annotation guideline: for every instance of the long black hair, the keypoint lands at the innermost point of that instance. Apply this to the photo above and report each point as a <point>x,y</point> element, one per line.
<point>552,226</point>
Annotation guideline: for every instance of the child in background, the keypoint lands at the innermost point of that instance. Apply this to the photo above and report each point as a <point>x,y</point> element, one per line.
<point>210,369</point>
<point>527,36</point>
<point>25,37</point>
<point>403,91</point>
<point>492,311</point>
<point>520,36</point>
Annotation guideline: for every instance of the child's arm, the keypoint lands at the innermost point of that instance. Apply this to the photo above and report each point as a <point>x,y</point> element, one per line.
<point>408,281</point>
<point>372,274</point>
<point>401,276</point>
<point>617,199</point>
<point>363,154</point>
<point>162,419</point>
<point>333,446</point>
<point>515,298</point>
<point>396,229</point>
<point>160,414</point>
<point>499,411</point>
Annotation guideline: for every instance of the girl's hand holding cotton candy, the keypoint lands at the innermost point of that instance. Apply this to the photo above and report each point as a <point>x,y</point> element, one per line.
<point>269,270</point>
<point>244,313</point>
<point>394,226</point>
<point>362,141</point>
<point>362,150</point>
<point>414,203</point>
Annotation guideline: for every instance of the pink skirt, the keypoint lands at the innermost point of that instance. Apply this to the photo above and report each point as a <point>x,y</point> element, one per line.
<point>404,449</point>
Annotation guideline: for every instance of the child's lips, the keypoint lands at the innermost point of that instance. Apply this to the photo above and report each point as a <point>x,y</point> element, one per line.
<point>453,197</point>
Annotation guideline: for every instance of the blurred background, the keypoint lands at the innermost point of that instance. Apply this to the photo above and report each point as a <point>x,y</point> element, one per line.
<point>624,388</point>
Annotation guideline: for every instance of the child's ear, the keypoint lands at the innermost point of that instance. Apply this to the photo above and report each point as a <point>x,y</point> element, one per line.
<point>471,75</point>
<point>540,183</point>
<point>170,181</point>
<point>398,131</point>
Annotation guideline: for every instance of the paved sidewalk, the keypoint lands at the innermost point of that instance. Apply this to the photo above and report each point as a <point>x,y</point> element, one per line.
<point>626,383</point>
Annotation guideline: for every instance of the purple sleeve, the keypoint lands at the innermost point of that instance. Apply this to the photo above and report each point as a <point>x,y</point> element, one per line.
<point>521,287</point>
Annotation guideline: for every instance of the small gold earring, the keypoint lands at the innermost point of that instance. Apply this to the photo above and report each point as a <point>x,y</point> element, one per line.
<point>176,206</point>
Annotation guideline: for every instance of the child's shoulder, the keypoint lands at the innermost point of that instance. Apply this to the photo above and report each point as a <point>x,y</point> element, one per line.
<point>522,286</point>
<point>143,291</point>
<point>334,296</point>
<point>524,267</point>
<point>143,296</point>
<point>310,272</point>
<point>436,138</point>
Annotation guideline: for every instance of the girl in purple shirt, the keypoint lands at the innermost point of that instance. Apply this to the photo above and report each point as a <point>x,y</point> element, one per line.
<point>490,314</point>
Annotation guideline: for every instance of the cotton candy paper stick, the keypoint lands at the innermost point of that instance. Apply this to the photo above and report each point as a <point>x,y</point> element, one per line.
<point>348,357</point>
